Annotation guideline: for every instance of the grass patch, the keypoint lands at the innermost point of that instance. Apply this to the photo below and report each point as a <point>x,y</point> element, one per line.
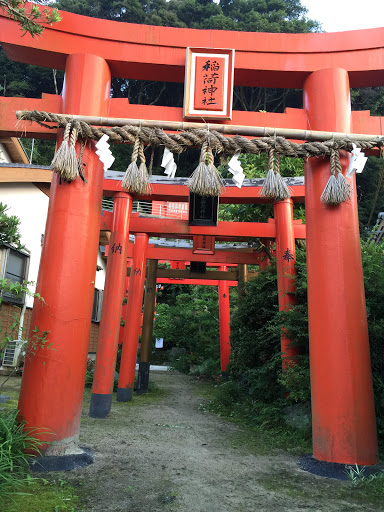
<point>41,495</point>
<point>10,405</point>
<point>370,490</point>
<point>264,427</point>
<point>298,485</point>
<point>11,387</point>
<point>264,441</point>
<point>155,394</point>
<point>16,448</point>
<point>205,388</point>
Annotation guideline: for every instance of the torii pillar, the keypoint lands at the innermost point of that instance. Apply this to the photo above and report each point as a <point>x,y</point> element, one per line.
<point>52,388</point>
<point>224,321</point>
<point>102,388</point>
<point>133,319</point>
<point>264,258</point>
<point>343,414</point>
<point>147,330</point>
<point>242,270</point>
<point>286,271</point>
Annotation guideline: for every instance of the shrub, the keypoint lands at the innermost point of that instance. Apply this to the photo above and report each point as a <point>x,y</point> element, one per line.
<point>373,264</point>
<point>89,372</point>
<point>255,336</point>
<point>17,448</point>
<point>182,364</point>
<point>209,368</point>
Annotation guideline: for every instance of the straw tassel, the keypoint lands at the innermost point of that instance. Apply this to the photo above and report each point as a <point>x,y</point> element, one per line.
<point>65,161</point>
<point>205,179</point>
<point>136,178</point>
<point>344,185</point>
<point>71,171</point>
<point>217,183</point>
<point>143,172</point>
<point>268,189</point>
<point>80,161</point>
<point>274,185</point>
<point>281,188</point>
<point>61,156</point>
<point>335,191</point>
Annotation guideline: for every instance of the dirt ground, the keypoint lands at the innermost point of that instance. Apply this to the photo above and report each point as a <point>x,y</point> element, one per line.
<point>170,455</point>
<point>163,452</point>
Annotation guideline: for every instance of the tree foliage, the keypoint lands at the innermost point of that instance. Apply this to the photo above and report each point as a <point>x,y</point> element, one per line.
<point>30,17</point>
<point>256,329</point>
<point>191,322</point>
<point>188,317</point>
<point>245,15</point>
<point>9,227</point>
<point>256,166</point>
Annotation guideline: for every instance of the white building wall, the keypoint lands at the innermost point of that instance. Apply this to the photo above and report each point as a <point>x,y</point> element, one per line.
<point>100,274</point>
<point>31,206</point>
<point>4,157</point>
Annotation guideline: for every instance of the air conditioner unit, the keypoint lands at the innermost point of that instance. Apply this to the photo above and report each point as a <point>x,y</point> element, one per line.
<point>12,353</point>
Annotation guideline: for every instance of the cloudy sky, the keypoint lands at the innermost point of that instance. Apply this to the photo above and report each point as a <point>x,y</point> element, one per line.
<point>340,15</point>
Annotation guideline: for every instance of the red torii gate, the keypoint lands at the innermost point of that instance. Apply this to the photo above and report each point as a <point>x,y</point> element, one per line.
<point>156,254</point>
<point>285,236</point>
<point>325,66</point>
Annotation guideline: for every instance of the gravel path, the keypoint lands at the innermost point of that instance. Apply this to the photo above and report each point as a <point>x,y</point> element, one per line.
<point>170,455</point>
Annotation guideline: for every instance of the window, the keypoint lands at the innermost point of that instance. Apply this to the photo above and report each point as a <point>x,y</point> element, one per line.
<point>14,267</point>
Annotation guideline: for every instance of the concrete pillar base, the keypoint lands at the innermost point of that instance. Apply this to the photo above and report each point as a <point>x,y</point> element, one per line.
<point>332,469</point>
<point>70,462</point>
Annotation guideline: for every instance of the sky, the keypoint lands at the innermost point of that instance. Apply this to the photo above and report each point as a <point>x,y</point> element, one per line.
<point>340,15</point>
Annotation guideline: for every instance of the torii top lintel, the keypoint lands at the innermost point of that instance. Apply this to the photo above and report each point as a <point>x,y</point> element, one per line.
<point>158,53</point>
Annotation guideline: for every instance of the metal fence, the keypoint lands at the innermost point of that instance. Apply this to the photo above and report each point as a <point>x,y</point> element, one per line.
<point>155,209</point>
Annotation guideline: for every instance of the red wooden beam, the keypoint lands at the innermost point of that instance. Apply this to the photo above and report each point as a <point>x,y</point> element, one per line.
<point>158,53</point>
<point>251,257</point>
<point>171,191</point>
<point>199,282</point>
<point>224,231</point>
<point>10,127</point>
<point>362,121</point>
<point>180,193</point>
<point>159,191</point>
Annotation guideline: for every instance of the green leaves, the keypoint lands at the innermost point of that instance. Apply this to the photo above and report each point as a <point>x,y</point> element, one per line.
<point>190,320</point>
<point>29,19</point>
<point>16,450</point>
<point>9,227</point>
<point>17,289</point>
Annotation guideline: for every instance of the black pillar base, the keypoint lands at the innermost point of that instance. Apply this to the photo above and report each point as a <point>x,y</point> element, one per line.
<point>332,469</point>
<point>124,394</point>
<point>100,405</point>
<point>224,376</point>
<point>143,378</point>
<point>62,462</point>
